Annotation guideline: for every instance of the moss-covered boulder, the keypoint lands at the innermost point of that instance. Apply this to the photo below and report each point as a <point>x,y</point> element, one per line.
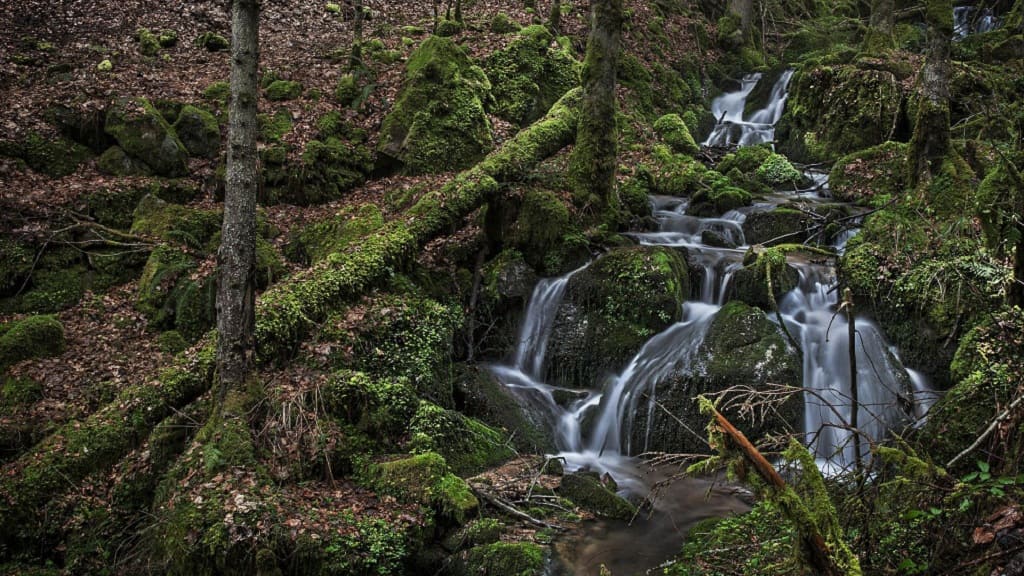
<point>115,206</point>
<point>779,226</point>
<point>610,309</point>
<point>777,172</point>
<point>870,176</point>
<point>506,284</point>
<point>116,162</point>
<point>502,559</point>
<point>545,232</point>
<point>530,75</point>
<point>31,337</point>
<point>478,394</point>
<point>193,227</point>
<point>741,347</point>
<point>319,240</point>
<point>283,90</point>
<point>54,156</point>
<point>837,110</point>
<point>172,298</point>
<point>585,490</point>
<point>746,159</point>
<point>438,121</point>
<point>987,371</point>
<point>381,408</point>
<point>674,132</point>
<point>198,131</point>
<point>750,284</point>
<point>144,134</point>
<point>469,446</point>
<point>326,170</point>
<point>212,41</point>
<point>425,479</point>
<point>16,263</point>
<point>502,23</point>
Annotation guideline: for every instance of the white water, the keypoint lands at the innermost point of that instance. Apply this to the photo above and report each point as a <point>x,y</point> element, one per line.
<point>969,20</point>
<point>594,429</point>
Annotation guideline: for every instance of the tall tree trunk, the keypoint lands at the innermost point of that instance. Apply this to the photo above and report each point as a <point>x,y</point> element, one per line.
<point>930,145</point>
<point>236,257</point>
<point>745,10</point>
<point>555,17</point>
<point>355,61</point>
<point>879,37</point>
<point>594,158</point>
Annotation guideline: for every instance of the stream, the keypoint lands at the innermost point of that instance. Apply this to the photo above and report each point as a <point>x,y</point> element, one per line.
<point>595,431</point>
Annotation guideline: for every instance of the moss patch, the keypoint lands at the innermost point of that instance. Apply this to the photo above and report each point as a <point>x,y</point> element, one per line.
<point>32,337</point>
<point>871,176</point>
<point>198,131</point>
<point>467,444</point>
<point>424,479</point>
<point>143,133</point>
<point>676,134</point>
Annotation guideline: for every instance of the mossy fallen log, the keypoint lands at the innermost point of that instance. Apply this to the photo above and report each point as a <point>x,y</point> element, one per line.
<point>284,314</point>
<point>287,311</point>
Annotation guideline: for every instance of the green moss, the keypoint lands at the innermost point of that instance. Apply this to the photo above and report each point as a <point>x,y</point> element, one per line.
<point>446,28</point>
<point>424,479</point>
<point>674,174</point>
<point>283,90</point>
<point>54,287</point>
<point>746,159</point>
<point>193,227</point>
<point>506,559</point>
<point>777,172</point>
<point>16,264</point>
<point>149,43</point>
<point>779,226</point>
<point>143,133</point>
<point>718,199</point>
<point>348,90</point>
<point>530,75</point>
<point>269,266</point>
<point>674,132</point>
<point>18,391</point>
<point>274,126</point>
<point>55,157</point>
<point>218,92</point>
<point>503,24</point>
<point>586,491</point>
<point>378,407</point>
<point>543,219</point>
<point>316,242</point>
<point>32,337</point>
<point>198,131</point>
<point>167,38</point>
<point>751,284</point>
<point>212,41</point>
<point>870,176</point>
<point>468,445</point>
<point>171,299</point>
<point>171,342</point>
<point>438,122</point>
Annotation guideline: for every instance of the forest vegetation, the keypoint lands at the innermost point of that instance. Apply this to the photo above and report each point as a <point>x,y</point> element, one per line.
<point>254,282</point>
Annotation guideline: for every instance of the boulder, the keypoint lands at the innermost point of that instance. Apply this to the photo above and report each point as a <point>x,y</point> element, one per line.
<point>779,226</point>
<point>144,134</point>
<point>871,175</point>
<point>611,309</point>
<point>741,347</point>
<point>198,131</point>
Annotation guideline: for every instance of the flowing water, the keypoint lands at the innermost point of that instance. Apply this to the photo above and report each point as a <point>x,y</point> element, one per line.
<point>969,20</point>
<point>593,429</point>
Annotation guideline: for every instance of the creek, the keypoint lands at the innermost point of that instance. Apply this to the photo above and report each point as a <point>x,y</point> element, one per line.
<point>599,429</point>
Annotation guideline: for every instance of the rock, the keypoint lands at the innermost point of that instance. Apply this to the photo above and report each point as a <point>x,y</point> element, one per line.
<point>673,131</point>
<point>212,41</point>
<point>479,395</point>
<point>315,242</point>
<point>869,176</point>
<point>749,285</point>
<point>777,172</point>
<point>425,479</point>
<point>586,491</point>
<point>198,131</point>
<point>175,223</point>
<point>53,156</point>
<point>31,337</point>
<point>530,75</point>
<point>283,90</point>
<point>144,134</point>
<point>611,309</point>
<point>779,226</point>
<point>468,445</point>
<point>115,162</point>
<point>438,121</point>
<point>170,297</point>
<point>501,559</point>
<point>742,347</point>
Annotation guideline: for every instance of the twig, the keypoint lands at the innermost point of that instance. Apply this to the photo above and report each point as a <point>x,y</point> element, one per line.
<point>988,431</point>
<point>509,508</point>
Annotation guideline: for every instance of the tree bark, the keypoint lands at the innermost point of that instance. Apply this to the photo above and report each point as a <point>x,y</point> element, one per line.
<point>745,10</point>
<point>880,36</point>
<point>930,144</point>
<point>236,257</point>
<point>594,158</point>
<point>356,58</point>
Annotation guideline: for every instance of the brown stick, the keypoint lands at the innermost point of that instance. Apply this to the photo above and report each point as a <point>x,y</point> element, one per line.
<point>814,542</point>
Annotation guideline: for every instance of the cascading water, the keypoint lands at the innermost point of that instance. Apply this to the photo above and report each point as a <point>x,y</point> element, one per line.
<point>595,429</point>
<point>969,20</point>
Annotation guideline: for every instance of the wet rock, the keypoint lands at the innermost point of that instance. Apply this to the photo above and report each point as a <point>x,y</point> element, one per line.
<point>869,176</point>
<point>742,348</point>
<point>611,309</point>
<point>586,491</point>
<point>779,226</point>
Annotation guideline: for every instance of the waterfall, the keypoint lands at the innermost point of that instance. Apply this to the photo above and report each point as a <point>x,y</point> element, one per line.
<point>594,428</point>
<point>969,20</point>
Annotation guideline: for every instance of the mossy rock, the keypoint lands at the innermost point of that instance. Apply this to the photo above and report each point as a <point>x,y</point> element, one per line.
<point>469,446</point>
<point>750,284</point>
<point>530,75</point>
<point>16,264</point>
<point>540,228</point>
<point>746,159</point>
<point>381,408</point>
<point>720,198</point>
<point>144,134</point>
<point>502,23</point>
<point>53,156</point>
<point>31,337</point>
<point>478,394</point>
<point>779,226</point>
<point>611,309</point>
<point>825,102</point>
<point>585,490</point>
<point>741,346</point>
<point>502,559</point>
<point>116,162</point>
<point>506,284</point>
<point>407,336</point>
<point>438,122</point>
<point>868,177</point>
<point>325,171</point>
<point>317,241</point>
<point>424,479</point>
<point>55,285</point>
<point>674,132</point>
<point>987,370</point>
<point>198,131</point>
<point>218,92</point>
<point>171,299</point>
<point>149,43</point>
<point>193,227</point>
<point>712,193</point>
<point>212,41</point>
<point>171,342</point>
<point>279,90</point>
<point>115,207</point>
<point>767,537</point>
<point>777,172</point>
<point>81,125</point>
<point>272,127</point>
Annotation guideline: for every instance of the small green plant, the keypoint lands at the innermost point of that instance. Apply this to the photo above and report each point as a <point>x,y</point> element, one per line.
<point>982,482</point>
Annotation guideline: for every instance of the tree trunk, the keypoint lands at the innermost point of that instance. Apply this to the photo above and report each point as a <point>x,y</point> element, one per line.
<point>236,257</point>
<point>1015,295</point>
<point>356,59</point>
<point>745,10</point>
<point>555,17</point>
<point>930,145</point>
<point>594,158</point>
<point>879,37</point>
